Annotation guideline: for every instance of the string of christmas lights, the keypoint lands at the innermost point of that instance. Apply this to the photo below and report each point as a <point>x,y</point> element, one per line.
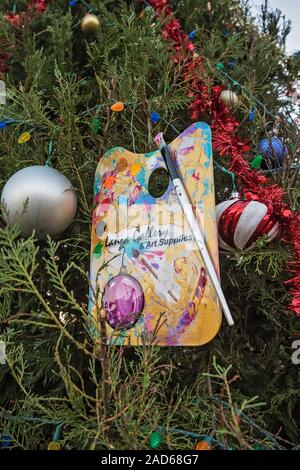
<point>156,438</point>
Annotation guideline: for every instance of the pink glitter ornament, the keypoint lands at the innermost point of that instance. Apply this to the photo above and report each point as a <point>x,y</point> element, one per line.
<point>123,301</point>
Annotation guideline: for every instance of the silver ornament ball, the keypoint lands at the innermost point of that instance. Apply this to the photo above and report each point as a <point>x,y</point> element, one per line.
<point>41,199</point>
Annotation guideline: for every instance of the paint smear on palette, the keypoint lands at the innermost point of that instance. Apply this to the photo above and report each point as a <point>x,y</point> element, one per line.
<point>206,184</point>
<point>135,168</point>
<point>122,165</point>
<point>109,181</point>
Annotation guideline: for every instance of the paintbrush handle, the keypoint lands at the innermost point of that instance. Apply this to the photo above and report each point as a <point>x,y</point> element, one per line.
<point>194,226</point>
<point>199,239</point>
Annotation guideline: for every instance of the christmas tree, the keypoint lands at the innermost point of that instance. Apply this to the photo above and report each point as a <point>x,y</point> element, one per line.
<point>81,77</point>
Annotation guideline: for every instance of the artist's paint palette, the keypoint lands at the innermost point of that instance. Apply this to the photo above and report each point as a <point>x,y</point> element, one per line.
<point>147,274</point>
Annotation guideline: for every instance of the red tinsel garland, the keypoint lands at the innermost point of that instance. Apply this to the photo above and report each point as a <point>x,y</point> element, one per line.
<point>40,5</point>
<point>18,20</point>
<point>226,141</point>
<point>33,8</point>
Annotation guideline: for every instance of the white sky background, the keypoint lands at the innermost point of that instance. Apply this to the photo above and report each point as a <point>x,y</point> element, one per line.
<point>291,9</point>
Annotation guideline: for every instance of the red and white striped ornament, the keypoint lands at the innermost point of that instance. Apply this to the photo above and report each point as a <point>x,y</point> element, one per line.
<point>241,223</point>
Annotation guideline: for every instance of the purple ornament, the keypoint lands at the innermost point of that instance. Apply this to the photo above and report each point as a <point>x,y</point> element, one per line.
<point>123,301</point>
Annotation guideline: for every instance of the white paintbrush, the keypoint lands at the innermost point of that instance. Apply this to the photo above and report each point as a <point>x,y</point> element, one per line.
<point>194,226</point>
